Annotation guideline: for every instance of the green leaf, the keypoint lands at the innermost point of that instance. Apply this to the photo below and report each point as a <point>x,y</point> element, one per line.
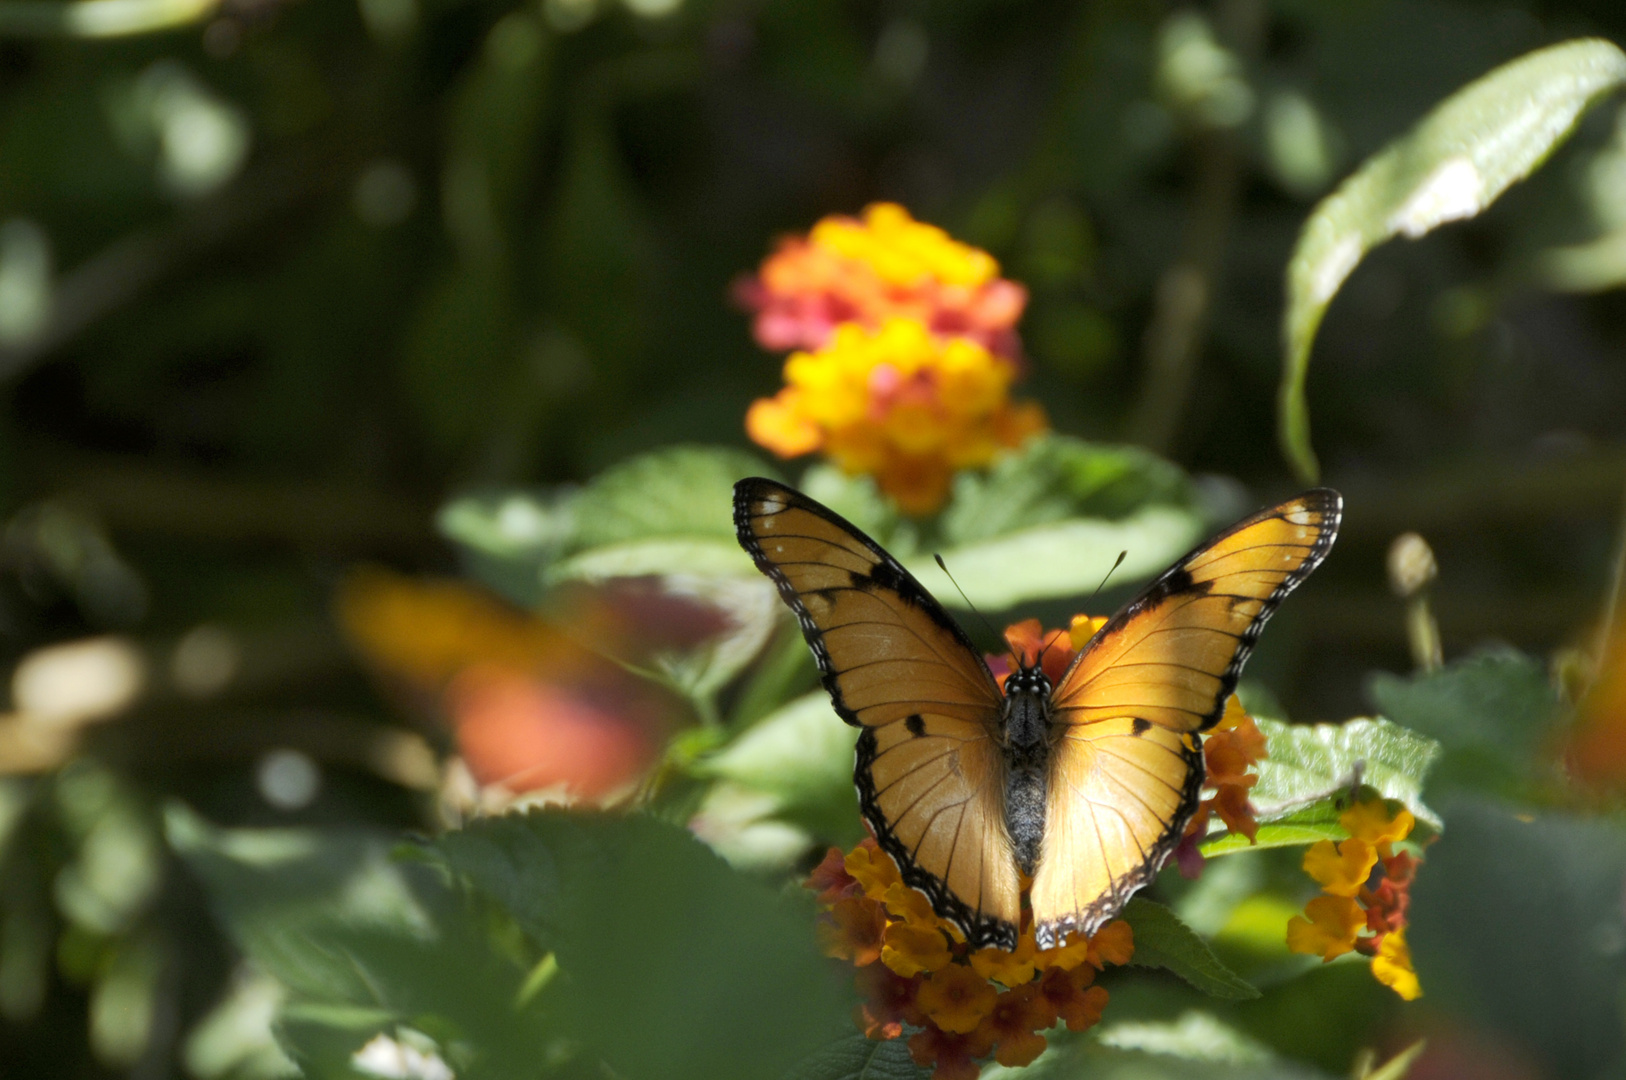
<point>646,558</point>
<point>276,888</point>
<point>1492,713</point>
<point>1067,558</point>
<point>681,491</point>
<point>1195,1036</point>
<point>1312,762</point>
<point>1515,925</point>
<point>1318,821</point>
<point>859,1058</point>
<point>803,755</point>
<point>1055,479</point>
<point>1163,941</point>
<point>641,916</point>
<point>1398,1066</point>
<point>1453,164</point>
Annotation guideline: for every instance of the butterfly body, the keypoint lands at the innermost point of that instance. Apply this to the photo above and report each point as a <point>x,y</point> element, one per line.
<point>1027,738</point>
<point>1085,786</point>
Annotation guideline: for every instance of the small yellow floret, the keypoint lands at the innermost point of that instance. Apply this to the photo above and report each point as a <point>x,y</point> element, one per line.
<point>1343,868</point>
<point>1372,821</point>
<point>1330,929</point>
<point>1392,966</point>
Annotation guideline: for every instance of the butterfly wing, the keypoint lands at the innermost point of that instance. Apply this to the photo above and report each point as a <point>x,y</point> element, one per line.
<point>930,775</point>
<point>1127,765</point>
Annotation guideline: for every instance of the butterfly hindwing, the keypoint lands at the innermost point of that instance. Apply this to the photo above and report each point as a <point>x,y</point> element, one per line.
<point>929,772</point>
<point>1126,767</point>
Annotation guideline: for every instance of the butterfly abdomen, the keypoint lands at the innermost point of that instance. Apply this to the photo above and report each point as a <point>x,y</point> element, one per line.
<point>1027,763</point>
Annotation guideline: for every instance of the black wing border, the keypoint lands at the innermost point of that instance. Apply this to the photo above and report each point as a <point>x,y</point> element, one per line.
<point>1177,579</point>
<point>893,577</point>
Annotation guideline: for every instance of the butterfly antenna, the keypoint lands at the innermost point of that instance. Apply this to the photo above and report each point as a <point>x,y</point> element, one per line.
<point>943,566</point>
<point>1122,555</point>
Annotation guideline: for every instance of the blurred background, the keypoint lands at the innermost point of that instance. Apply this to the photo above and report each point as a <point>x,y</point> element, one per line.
<point>280,279</point>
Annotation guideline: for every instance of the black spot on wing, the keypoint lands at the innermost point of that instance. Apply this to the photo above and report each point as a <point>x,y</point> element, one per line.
<point>916,725</point>
<point>1139,726</point>
<point>979,929</point>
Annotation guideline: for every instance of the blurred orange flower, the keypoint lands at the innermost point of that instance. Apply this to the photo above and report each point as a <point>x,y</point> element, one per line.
<point>883,266</point>
<point>898,403</point>
<point>532,710</point>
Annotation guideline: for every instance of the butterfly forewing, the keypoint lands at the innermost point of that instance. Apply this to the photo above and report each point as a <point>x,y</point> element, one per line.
<point>1125,770</point>
<point>930,775</point>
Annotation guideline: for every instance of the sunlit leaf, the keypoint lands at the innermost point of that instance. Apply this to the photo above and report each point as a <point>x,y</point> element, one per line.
<point>803,755</point>
<point>1067,558</point>
<point>1196,1036</point>
<point>1163,941</point>
<point>1311,762</point>
<point>1452,165</point>
<point>1054,479</point>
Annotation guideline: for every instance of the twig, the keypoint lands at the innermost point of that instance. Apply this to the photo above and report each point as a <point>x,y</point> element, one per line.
<point>1612,604</point>
<point>1185,295</point>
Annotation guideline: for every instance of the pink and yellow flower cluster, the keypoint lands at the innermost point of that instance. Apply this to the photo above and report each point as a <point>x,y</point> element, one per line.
<point>907,353</point>
<point>872,270</point>
<point>916,971</point>
<point>1365,885</point>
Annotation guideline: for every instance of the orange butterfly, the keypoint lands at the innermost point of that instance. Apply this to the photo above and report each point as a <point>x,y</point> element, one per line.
<point>1086,787</point>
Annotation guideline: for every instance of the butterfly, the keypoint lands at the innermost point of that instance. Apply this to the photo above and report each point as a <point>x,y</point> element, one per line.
<point>1084,787</point>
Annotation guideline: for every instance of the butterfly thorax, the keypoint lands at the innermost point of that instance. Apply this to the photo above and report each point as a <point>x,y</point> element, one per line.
<point>1026,744</point>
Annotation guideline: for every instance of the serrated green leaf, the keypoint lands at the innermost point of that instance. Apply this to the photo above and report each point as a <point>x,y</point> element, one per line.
<point>1054,479</point>
<point>859,1058</point>
<point>1491,712</point>
<point>681,491</point>
<point>1163,941</point>
<point>1452,165</point>
<point>641,914</point>
<point>1312,762</point>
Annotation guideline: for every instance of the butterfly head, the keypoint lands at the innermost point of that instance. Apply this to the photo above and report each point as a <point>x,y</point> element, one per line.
<point>1027,681</point>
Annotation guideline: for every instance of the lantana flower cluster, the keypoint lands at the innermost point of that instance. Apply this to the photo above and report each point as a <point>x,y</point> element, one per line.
<point>1365,886</point>
<point>872,270</point>
<point>959,1005</point>
<point>907,353</point>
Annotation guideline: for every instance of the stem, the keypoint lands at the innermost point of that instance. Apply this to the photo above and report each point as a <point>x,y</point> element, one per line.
<point>1185,295</point>
<point>1612,604</point>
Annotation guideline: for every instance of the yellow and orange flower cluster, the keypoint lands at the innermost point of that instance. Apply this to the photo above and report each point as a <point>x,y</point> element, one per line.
<point>916,971</point>
<point>1359,894</point>
<point>885,266</point>
<point>909,354</point>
